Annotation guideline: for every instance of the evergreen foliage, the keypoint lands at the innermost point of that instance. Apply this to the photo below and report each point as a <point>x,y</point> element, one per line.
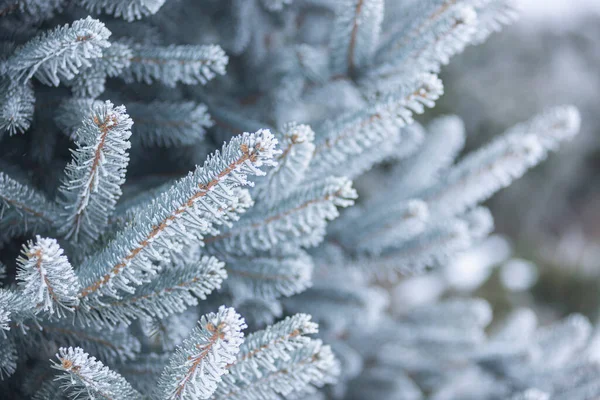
<point>140,277</point>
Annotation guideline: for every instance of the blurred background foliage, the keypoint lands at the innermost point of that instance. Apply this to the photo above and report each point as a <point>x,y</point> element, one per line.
<point>547,252</point>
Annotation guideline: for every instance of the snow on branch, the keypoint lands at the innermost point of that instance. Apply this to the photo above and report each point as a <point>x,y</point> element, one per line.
<point>482,173</point>
<point>197,366</point>
<point>59,54</point>
<point>47,278</point>
<point>190,209</point>
<point>188,64</point>
<point>93,179</point>
<point>82,375</point>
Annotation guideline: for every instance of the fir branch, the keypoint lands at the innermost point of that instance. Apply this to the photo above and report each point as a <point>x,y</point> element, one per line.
<point>190,208</point>
<point>16,106</point>
<point>6,303</point>
<point>169,124</point>
<point>91,80</point>
<point>459,313</point>
<point>109,345</point>
<point>259,313</point>
<point>562,340</point>
<point>296,143</point>
<point>355,34</point>
<point>446,37</point>
<point>269,277</point>
<point>49,390</point>
<point>337,302</point>
<point>145,371</point>
<point>445,139</point>
<point>262,349</point>
<point>175,291</point>
<point>419,19</point>
<point>308,367</point>
<point>197,366</point>
<point>384,227</point>
<point>346,137</point>
<point>47,278</point>
<point>495,166</point>
<point>8,357</point>
<point>397,146</point>
<point>59,54</point>
<point>31,205</point>
<point>16,310</point>
<point>129,10</point>
<point>299,219</point>
<point>168,333</point>
<point>72,114</point>
<point>190,65</point>
<point>94,177</point>
<point>243,14</point>
<point>433,247</point>
<point>159,123</point>
<point>83,375</point>
<point>492,16</point>
<point>37,8</point>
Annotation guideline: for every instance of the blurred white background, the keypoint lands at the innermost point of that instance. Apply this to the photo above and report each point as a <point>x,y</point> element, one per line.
<point>563,13</point>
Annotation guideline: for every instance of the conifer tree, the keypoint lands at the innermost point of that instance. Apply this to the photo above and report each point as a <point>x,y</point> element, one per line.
<point>203,238</point>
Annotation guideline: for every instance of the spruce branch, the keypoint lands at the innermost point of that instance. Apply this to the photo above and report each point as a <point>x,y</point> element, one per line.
<point>72,114</point>
<point>308,367</point>
<point>46,277</point>
<point>355,34</point>
<point>261,350</point>
<point>297,147</point>
<point>197,366</point>
<point>447,36</point>
<point>445,139</point>
<point>269,276</point>
<point>434,246</point>
<point>480,174</point>
<point>419,20</point>
<point>23,208</point>
<point>36,8</point>
<point>8,357</point>
<point>6,304</point>
<point>109,345</point>
<point>91,80</point>
<point>175,291</point>
<point>188,64</point>
<point>82,375</point>
<point>384,227</point>
<point>396,147</point>
<point>49,390</point>
<point>59,54</point>
<point>169,124</point>
<point>94,177</point>
<point>159,123</point>
<point>168,333</point>
<point>145,371</point>
<point>129,10</point>
<point>299,219</point>
<point>16,106</point>
<point>344,138</point>
<point>492,16</point>
<point>187,211</point>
